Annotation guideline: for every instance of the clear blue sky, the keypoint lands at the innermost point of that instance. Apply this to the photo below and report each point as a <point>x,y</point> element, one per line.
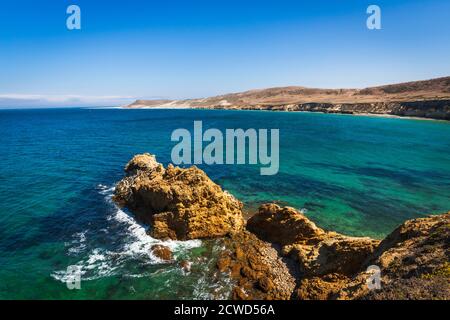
<point>195,48</point>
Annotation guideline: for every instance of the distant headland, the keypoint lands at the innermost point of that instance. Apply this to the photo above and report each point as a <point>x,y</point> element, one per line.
<point>424,99</point>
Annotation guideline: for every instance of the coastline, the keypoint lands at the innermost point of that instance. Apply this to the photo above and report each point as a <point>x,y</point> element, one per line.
<point>375,115</point>
<point>363,114</point>
<point>427,99</point>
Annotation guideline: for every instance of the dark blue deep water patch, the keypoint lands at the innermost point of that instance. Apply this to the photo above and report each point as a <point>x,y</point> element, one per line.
<point>356,175</point>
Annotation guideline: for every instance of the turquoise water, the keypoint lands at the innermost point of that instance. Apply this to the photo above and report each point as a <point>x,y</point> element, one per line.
<point>356,175</point>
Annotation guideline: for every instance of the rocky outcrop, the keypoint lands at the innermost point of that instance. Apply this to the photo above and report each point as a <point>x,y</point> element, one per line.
<point>320,255</point>
<point>280,253</point>
<point>413,259</point>
<point>433,109</point>
<point>178,203</point>
<point>317,251</point>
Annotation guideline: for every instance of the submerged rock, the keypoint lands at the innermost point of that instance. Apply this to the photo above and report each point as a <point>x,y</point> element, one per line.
<point>179,203</point>
<point>162,252</point>
<point>185,265</point>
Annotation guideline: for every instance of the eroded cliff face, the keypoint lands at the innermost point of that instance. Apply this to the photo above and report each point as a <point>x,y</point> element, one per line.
<point>432,109</point>
<point>178,203</point>
<point>280,253</point>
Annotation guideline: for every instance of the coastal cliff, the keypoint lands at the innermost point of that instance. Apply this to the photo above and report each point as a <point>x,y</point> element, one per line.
<point>432,109</point>
<point>279,253</point>
<point>423,99</point>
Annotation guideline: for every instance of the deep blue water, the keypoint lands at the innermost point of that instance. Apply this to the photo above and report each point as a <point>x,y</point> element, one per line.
<point>355,175</point>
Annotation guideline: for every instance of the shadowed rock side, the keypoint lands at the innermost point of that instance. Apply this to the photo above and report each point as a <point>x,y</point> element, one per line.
<point>280,253</point>
<point>258,269</point>
<point>180,204</point>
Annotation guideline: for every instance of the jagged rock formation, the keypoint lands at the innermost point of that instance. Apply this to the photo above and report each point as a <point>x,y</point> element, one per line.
<point>319,254</point>
<point>259,271</point>
<point>179,203</point>
<point>282,254</point>
<point>317,251</point>
<point>415,260</point>
<point>334,266</point>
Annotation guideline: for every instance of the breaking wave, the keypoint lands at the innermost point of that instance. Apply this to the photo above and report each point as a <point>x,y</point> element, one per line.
<point>128,242</point>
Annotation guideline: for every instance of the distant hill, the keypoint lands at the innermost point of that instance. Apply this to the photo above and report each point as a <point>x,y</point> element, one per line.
<point>427,98</point>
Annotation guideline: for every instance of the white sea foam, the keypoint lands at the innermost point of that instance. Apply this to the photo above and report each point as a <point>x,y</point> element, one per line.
<point>143,241</point>
<point>78,244</point>
<point>136,245</point>
<point>105,190</point>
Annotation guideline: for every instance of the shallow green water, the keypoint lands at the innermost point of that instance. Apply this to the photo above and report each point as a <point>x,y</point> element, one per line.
<point>356,175</point>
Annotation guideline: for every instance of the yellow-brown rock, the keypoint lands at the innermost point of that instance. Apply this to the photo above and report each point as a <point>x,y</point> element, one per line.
<point>258,269</point>
<point>318,252</point>
<point>179,203</point>
<point>162,252</point>
<point>413,259</point>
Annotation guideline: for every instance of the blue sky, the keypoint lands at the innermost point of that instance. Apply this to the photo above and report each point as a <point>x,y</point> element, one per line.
<point>195,48</point>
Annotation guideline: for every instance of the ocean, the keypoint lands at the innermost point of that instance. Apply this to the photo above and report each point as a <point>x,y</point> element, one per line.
<point>357,175</point>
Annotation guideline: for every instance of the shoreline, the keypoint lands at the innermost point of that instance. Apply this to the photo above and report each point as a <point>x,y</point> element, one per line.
<point>363,114</point>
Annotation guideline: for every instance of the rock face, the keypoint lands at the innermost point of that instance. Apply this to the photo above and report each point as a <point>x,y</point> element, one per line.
<point>258,269</point>
<point>179,203</point>
<point>319,254</point>
<point>433,109</point>
<point>317,251</point>
<point>413,259</point>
